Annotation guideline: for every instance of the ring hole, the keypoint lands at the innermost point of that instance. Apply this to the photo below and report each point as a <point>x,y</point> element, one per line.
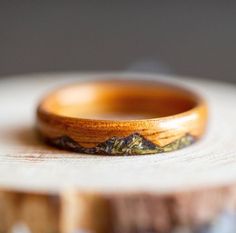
<point>120,100</point>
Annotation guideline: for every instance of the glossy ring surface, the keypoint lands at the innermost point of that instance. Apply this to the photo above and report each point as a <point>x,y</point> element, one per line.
<point>121,117</point>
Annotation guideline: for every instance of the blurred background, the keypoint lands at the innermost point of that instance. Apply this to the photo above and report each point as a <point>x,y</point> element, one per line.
<point>193,38</point>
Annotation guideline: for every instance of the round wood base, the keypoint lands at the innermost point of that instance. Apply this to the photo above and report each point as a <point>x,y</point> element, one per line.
<point>47,190</point>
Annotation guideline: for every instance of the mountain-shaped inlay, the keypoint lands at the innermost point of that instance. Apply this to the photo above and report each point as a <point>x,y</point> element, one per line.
<point>134,144</point>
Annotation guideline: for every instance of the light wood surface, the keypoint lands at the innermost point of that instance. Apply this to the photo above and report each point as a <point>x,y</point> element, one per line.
<point>77,184</point>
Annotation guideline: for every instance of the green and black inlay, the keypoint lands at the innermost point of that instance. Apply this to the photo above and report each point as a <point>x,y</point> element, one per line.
<point>134,144</point>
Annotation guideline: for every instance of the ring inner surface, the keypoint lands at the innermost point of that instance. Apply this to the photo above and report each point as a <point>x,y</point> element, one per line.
<point>119,101</point>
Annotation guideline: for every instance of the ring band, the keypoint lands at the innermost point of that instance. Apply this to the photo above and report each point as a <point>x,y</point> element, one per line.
<point>121,117</point>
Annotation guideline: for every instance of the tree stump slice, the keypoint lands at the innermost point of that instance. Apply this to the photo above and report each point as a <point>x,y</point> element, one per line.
<point>46,190</point>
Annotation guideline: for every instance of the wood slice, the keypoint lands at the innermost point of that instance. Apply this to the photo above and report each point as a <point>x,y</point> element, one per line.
<point>44,189</point>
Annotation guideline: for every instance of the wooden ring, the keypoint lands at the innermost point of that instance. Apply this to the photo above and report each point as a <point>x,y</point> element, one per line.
<point>121,117</point>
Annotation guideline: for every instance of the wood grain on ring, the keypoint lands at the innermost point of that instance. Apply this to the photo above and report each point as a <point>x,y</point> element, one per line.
<point>80,117</point>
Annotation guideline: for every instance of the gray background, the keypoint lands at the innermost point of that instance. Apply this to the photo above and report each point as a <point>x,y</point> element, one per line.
<point>196,38</point>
